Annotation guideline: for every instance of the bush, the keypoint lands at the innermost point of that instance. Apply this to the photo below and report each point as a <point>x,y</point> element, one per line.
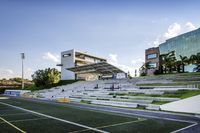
<point>16,79</point>
<point>65,82</point>
<point>143,74</point>
<point>46,77</point>
<point>156,72</point>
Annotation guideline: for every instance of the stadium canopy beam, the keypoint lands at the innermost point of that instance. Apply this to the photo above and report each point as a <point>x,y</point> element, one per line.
<point>103,68</point>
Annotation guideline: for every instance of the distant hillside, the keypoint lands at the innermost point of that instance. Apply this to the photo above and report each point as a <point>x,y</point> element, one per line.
<point>14,82</point>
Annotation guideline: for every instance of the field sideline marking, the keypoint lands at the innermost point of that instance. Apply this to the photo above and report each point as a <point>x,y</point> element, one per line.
<point>184,128</point>
<point>12,125</point>
<point>112,125</point>
<point>34,119</point>
<point>171,119</point>
<point>55,118</point>
<point>123,123</point>
<point>145,115</point>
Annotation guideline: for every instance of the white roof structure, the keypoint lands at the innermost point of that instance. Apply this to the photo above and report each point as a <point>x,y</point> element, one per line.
<point>103,68</point>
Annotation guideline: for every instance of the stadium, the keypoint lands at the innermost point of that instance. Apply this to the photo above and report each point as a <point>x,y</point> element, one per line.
<point>103,99</point>
<point>99,66</point>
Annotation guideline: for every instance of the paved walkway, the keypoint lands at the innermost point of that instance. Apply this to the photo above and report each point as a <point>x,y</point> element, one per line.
<point>188,105</point>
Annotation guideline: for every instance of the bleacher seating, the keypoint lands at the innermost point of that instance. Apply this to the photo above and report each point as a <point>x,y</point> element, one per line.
<point>99,92</point>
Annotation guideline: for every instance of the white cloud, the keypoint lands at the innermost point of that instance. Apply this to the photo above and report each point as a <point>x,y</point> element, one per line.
<point>51,57</point>
<point>113,59</point>
<point>190,26</point>
<point>173,30</point>
<point>28,72</point>
<point>9,73</point>
<point>157,41</point>
<point>137,61</point>
<point>6,73</point>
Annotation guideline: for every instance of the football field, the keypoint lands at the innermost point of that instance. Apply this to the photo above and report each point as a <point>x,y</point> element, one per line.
<point>23,115</point>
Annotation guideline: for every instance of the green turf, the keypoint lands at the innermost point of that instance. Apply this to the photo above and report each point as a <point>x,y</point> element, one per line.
<point>165,84</point>
<point>160,102</point>
<point>108,121</point>
<point>178,94</point>
<point>178,74</point>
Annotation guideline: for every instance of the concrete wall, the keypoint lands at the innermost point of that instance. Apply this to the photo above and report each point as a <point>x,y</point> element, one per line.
<point>67,61</point>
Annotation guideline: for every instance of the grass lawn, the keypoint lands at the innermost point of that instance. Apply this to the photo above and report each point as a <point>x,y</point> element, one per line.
<point>181,74</point>
<point>168,84</point>
<point>107,121</point>
<point>179,94</point>
<point>160,102</point>
<point>182,93</point>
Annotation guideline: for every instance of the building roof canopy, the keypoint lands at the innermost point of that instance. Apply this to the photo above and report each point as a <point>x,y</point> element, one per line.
<point>103,68</point>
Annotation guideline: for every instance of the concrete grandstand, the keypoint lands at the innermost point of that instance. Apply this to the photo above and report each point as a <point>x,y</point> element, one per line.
<point>103,92</point>
<point>83,66</point>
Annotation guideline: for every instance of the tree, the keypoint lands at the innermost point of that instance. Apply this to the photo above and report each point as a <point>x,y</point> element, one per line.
<point>198,62</point>
<point>195,59</point>
<point>143,69</point>
<point>168,62</point>
<point>184,60</point>
<point>46,77</point>
<point>178,66</point>
<point>171,59</point>
<point>163,62</point>
<point>129,75</point>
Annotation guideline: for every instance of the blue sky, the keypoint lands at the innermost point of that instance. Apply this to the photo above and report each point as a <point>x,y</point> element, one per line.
<point>119,30</point>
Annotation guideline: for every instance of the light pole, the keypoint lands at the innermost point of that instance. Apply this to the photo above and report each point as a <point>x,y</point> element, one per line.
<point>22,57</point>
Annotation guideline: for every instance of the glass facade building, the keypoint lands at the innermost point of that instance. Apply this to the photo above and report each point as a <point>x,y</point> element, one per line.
<point>185,45</point>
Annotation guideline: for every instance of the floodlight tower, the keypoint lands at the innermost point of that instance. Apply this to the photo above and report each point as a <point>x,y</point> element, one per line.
<point>22,57</point>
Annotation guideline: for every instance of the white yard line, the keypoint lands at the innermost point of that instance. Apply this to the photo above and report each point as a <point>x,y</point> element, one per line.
<point>17,128</point>
<point>123,123</point>
<point>171,119</point>
<point>55,118</point>
<point>184,128</point>
<point>149,116</point>
<point>34,119</point>
<point>112,125</point>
